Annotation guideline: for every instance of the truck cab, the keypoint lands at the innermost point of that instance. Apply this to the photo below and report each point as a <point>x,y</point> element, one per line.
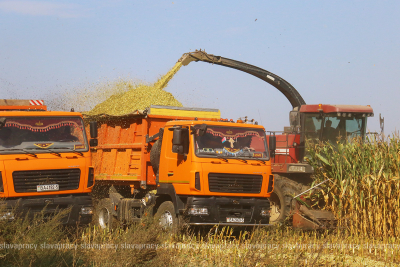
<point>45,162</point>
<point>220,171</point>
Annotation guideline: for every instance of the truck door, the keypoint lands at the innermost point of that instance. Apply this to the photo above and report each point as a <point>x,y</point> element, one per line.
<point>174,167</point>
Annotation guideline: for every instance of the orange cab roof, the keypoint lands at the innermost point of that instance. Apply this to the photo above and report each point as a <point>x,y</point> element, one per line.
<point>17,104</point>
<point>37,113</point>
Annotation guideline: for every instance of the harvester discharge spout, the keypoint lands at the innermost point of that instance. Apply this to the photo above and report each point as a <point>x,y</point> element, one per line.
<point>295,99</point>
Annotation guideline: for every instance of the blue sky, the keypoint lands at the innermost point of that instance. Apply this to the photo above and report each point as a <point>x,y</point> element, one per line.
<point>332,52</point>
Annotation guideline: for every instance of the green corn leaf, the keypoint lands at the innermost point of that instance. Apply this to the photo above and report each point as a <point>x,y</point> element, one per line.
<point>302,202</point>
<point>324,160</point>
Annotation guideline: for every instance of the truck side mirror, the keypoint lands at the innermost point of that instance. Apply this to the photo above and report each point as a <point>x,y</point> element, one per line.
<point>93,129</point>
<point>180,141</point>
<point>2,122</point>
<point>93,142</point>
<point>177,141</point>
<point>272,145</point>
<point>93,134</point>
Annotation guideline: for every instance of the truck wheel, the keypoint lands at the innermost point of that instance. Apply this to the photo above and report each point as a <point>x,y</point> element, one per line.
<point>281,201</point>
<point>166,216</point>
<point>104,217</point>
<point>155,153</point>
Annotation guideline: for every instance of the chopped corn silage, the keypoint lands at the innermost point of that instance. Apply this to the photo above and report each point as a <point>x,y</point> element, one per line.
<point>139,97</point>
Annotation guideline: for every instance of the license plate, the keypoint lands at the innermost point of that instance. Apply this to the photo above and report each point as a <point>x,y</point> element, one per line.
<point>235,220</point>
<point>48,187</point>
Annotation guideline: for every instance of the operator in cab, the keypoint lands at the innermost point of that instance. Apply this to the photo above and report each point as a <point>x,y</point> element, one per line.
<point>329,133</point>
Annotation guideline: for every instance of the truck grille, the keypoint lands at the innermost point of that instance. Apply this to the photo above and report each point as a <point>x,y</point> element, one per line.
<point>234,183</point>
<point>27,181</point>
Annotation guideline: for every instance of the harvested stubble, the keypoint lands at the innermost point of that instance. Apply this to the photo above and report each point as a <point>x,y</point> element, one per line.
<point>147,244</point>
<point>364,186</point>
<point>139,97</point>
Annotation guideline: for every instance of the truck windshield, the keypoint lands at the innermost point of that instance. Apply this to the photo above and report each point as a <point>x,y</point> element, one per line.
<point>232,142</point>
<point>333,128</point>
<point>42,134</point>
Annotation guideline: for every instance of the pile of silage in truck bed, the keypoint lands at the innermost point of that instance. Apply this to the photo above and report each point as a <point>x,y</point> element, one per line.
<point>139,97</point>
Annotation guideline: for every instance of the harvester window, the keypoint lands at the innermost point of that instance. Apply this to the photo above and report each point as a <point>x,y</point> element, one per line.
<point>329,133</point>
<point>312,126</point>
<point>335,128</point>
<point>355,127</point>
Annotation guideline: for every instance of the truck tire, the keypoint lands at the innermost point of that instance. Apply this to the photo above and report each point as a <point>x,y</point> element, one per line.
<point>167,217</point>
<point>155,153</point>
<point>281,202</point>
<point>103,216</point>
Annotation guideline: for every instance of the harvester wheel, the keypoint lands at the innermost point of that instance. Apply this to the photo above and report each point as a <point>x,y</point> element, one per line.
<point>155,153</point>
<point>167,216</point>
<point>103,216</point>
<point>281,202</point>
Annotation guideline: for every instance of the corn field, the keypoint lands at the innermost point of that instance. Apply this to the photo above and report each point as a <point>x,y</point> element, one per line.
<point>363,192</point>
<point>364,184</point>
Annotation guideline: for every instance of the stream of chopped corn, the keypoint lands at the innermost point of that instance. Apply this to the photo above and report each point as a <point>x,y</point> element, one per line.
<point>139,96</point>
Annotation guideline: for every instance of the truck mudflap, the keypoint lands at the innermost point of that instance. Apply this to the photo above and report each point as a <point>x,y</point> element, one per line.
<point>81,207</point>
<point>226,211</point>
<point>307,219</point>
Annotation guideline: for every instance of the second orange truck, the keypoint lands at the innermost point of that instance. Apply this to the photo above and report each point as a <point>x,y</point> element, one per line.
<point>182,162</point>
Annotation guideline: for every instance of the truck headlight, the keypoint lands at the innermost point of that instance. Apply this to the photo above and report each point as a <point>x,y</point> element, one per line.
<point>149,199</point>
<point>86,210</point>
<point>264,212</point>
<point>198,211</point>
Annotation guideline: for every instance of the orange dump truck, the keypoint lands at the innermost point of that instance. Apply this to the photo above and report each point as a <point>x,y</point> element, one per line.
<point>185,163</point>
<point>44,162</point>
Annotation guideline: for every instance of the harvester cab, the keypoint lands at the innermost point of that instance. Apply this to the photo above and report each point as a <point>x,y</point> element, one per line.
<point>293,175</point>
<point>331,123</point>
<point>327,123</point>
